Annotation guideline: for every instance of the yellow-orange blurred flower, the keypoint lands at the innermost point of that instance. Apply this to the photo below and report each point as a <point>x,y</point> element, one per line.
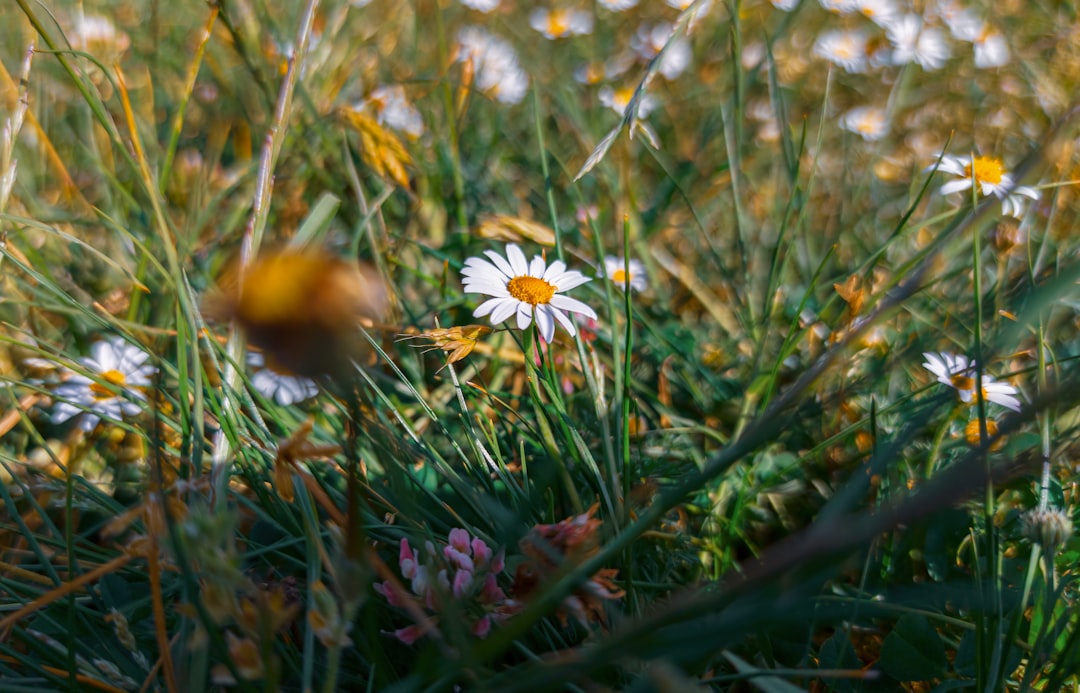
<point>302,307</point>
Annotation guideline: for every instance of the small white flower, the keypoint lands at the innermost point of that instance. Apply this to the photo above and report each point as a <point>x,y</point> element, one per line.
<point>496,70</point>
<point>116,366</point>
<point>283,388</point>
<point>914,43</point>
<point>618,5</point>
<point>615,267</point>
<point>844,48</point>
<point>869,122</point>
<point>648,41</point>
<point>990,175</point>
<point>618,99</point>
<point>393,110</point>
<point>959,373</point>
<point>880,12</point>
<point>785,5</point>
<point>991,50</point>
<point>96,34</point>
<point>838,6</point>
<point>560,23</point>
<point>481,5</point>
<point>529,290</point>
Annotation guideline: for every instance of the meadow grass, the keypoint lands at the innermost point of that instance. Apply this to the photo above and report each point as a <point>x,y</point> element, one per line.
<point>810,425</point>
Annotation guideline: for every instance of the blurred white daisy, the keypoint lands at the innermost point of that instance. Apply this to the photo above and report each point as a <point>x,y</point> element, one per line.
<point>958,373</point>
<point>529,290</point>
<point>496,70</point>
<point>481,5</point>
<point>618,99</point>
<point>785,5</point>
<point>990,175</point>
<point>650,40</point>
<point>838,6</point>
<point>393,110</point>
<point>991,50</point>
<point>560,23</point>
<point>98,35</point>
<point>844,48</point>
<point>880,12</point>
<point>869,122</point>
<point>617,5</point>
<point>117,369</point>
<point>615,267</point>
<point>283,388</point>
<point>914,43</point>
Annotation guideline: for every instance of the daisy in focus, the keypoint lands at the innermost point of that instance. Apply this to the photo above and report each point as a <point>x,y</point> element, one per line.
<point>615,267</point>
<point>958,373</point>
<point>117,369</point>
<point>284,388</point>
<point>990,175</point>
<point>530,290</point>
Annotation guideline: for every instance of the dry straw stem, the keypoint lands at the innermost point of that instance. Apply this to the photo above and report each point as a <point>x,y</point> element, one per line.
<point>252,239</point>
<point>763,429</point>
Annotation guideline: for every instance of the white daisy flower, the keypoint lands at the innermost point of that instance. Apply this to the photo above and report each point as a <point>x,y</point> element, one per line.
<point>393,110</point>
<point>838,6</point>
<point>283,388</point>
<point>526,289</point>
<point>959,373</point>
<point>844,48</point>
<point>880,12</point>
<point>117,369</point>
<point>496,70</point>
<point>650,40</point>
<point>560,23</point>
<point>618,99</point>
<point>481,5</point>
<point>992,178</point>
<point>869,122</point>
<point>785,5</point>
<point>615,267</point>
<point>991,50</point>
<point>913,43</point>
<point>618,5</point>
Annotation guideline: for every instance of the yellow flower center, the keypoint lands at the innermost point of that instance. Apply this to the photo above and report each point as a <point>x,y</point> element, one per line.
<point>986,169</point>
<point>963,382</point>
<point>558,23</point>
<point>620,276</point>
<point>100,391</point>
<point>531,290</point>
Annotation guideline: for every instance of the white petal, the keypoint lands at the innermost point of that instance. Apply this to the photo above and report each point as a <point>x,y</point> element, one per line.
<point>500,263</point>
<point>569,280</point>
<point>564,320</point>
<point>524,316</point>
<point>517,260</point>
<point>536,267</point>
<point>490,305</point>
<point>545,323</point>
<point>554,269</point>
<point>956,186</point>
<point>504,311</point>
<point>573,305</point>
